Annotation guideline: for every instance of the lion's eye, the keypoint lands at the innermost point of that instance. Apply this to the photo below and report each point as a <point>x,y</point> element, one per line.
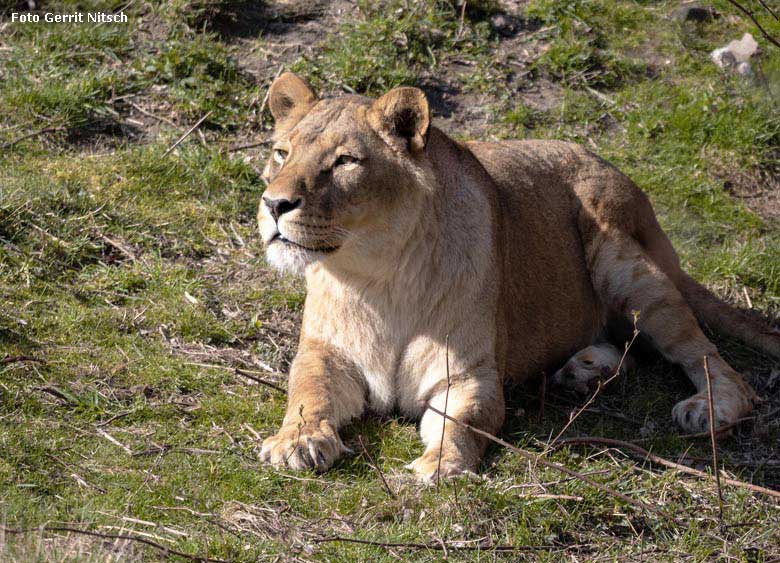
<point>280,156</point>
<point>346,159</point>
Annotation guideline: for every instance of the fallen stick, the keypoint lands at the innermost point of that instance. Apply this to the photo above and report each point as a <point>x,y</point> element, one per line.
<point>439,546</point>
<point>713,442</point>
<point>376,467</point>
<point>187,134</point>
<point>665,462</point>
<point>749,13</point>
<point>260,380</point>
<point>114,441</point>
<point>243,373</point>
<point>18,140</point>
<point>249,146</point>
<point>557,467</point>
<point>167,551</point>
<point>268,93</point>
<point>599,387</point>
<point>446,400</point>
<point>15,359</point>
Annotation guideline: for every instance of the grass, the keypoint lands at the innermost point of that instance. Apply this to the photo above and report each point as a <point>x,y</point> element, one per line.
<point>125,273</point>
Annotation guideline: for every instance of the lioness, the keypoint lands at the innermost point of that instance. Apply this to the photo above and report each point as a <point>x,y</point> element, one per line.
<point>515,253</point>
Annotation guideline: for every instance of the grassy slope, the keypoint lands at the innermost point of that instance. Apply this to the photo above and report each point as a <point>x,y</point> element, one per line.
<point>121,268</point>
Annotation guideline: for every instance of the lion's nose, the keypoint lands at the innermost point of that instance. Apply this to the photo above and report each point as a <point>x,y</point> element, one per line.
<point>279,207</point>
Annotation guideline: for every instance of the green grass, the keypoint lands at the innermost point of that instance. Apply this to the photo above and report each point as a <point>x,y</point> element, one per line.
<point>126,272</point>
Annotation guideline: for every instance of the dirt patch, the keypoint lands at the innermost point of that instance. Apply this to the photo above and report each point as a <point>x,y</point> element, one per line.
<point>758,187</point>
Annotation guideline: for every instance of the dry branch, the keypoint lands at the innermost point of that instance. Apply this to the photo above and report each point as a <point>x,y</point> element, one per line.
<point>557,467</point>
<point>600,386</point>
<point>259,380</point>
<point>446,400</point>
<point>751,15</point>
<point>249,146</point>
<point>770,10</point>
<point>440,546</point>
<point>647,456</point>
<point>187,134</point>
<point>376,467</point>
<point>43,131</point>
<point>715,469</point>
<point>17,359</point>
<point>243,373</point>
<point>166,551</point>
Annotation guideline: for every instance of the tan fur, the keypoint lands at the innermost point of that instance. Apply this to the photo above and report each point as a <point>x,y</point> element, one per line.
<point>512,256</point>
<point>583,371</point>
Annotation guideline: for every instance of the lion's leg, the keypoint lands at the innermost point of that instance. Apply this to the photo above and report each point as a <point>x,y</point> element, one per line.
<point>323,394</point>
<point>628,280</point>
<point>476,400</point>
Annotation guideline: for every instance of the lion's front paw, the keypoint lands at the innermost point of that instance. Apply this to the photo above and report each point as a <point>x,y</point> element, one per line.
<point>426,466</point>
<point>693,413</point>
<point>309,446</point>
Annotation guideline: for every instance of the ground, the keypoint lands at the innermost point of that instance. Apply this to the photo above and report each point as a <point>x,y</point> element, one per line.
<point>137,314</point>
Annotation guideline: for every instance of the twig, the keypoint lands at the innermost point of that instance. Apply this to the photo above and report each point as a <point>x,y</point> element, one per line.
<point>114,441</point>
<point>167,551</point>
<point>115,417</point>
<point>599,387</point>
<point>166,449</point>
<point>446,400</point>
<point>437,546</point>
<point>647,456</point>
<point>715,465</point>
<point>260,111</point>
<point>749,13</point>
<point>259,380</point>
<point>462,19</point>
<point>602,97</point>
<point>121,248</point>
<point>54,392</point>
<point>244,373</point>
<point>263,365</point>
<point>55,238</point>
<point>16,359</point>
<point>376,467</point>
<point>249,146</point>
<point>706,434</point>
<point>18,140</point>
<point>268,93</point>
<point>187,134</point>
<point>556,466</point>
<point>153,116</point>
<point>770,10</point>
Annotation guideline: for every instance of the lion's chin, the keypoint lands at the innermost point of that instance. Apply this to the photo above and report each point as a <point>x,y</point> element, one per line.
<point>291,259</point>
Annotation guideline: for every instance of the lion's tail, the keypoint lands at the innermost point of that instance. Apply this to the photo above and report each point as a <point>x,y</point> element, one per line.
<point>730,321</point>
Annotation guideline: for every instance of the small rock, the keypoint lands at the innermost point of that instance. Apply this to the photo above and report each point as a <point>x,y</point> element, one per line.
<point>744,48</point>
<point>724,58</point>
<point>744,69</point>
<point>735,56</point>
<point>695,13</point>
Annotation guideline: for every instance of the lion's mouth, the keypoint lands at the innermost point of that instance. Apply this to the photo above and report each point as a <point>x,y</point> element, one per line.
<point>325,249</point>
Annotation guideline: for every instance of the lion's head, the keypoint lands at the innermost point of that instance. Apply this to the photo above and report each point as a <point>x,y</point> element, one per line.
<point>342,173</point>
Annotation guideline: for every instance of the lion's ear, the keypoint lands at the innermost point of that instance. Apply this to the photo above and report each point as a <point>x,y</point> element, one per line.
<point>404,116</point>
<point>289,99</point>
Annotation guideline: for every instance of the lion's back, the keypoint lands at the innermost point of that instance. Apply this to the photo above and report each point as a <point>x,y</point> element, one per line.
<point>550,308</point>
